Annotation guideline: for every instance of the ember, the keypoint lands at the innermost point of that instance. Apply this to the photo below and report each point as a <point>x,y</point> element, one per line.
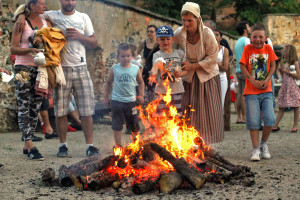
<point>168,153</point>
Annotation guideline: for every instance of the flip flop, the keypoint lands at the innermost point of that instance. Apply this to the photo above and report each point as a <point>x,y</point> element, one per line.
<point>275,129</point>
<point>240,122</point>
<point>294,130</point>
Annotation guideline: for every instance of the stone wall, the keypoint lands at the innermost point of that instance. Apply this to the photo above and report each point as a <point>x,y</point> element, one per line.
<point>284,29</point>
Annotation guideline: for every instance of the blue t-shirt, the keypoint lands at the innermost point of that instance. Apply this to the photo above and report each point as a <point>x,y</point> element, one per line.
<point>124,83</point>
<point>238,49</point>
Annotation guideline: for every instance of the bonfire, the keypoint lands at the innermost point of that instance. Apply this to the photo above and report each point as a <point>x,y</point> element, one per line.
<point>167,155</point>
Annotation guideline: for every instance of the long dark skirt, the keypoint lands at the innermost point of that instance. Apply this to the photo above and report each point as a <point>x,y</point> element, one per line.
<point>205,100</point>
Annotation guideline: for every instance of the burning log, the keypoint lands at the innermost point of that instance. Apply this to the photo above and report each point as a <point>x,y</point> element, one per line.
<point>192,175</point>
<point>97,180</point>
<point>147,153</point>
<point>169,182</point>
<point>140,188</point>
<point>83,168</point>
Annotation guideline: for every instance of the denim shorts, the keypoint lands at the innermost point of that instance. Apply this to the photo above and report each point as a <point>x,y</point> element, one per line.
<point>257,104</point>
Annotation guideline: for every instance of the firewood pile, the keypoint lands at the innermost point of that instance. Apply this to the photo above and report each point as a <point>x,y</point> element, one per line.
<point>95,173</point>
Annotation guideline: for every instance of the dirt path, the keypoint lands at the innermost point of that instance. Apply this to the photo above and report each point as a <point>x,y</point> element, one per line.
<point>277,178</point>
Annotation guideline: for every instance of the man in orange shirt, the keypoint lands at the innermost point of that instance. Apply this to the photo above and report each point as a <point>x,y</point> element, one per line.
<point>258,65</point>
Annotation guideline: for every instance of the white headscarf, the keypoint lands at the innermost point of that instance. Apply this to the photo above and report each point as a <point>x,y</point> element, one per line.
<point>194,8</point>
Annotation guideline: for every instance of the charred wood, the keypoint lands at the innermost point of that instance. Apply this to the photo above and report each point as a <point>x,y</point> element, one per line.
<point>192,176</point>
<point>143,187</point>
<point>83,168</point>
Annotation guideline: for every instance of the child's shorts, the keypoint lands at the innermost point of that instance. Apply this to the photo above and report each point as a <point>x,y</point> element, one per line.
<point>124,112</point>
<point>257,104</point>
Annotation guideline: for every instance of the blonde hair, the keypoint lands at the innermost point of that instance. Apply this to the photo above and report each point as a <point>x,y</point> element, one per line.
<point>24,9</point>
<point>290,56</point>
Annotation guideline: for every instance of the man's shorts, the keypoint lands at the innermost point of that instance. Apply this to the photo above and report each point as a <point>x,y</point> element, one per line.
<point>78,81</point>
<point>241,82</point>
<point>257,104</point>
<point>124,112</point>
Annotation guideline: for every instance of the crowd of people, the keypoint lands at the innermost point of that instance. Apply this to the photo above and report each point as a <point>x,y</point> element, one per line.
<point>197,60</point>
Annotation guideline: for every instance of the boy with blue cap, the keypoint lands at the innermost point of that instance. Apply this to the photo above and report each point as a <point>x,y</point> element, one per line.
<point>166,65</point>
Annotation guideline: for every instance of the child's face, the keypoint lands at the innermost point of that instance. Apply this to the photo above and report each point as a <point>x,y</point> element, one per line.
<point>124,57</point>
<point>258,38</point>
<point>165,43</point>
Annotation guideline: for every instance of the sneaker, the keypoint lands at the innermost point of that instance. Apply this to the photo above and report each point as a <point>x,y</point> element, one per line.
<point>50,136</point>
<point>71,129</point>
<point>34,139</point>
<point>62,151</point>
<point>34,154</point>
<point>255,155</point>
<point>265,152</point>
<point>25,151</point>
<point>92,151</point>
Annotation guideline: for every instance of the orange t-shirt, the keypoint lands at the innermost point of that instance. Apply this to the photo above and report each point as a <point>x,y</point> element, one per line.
<point>257,62</point>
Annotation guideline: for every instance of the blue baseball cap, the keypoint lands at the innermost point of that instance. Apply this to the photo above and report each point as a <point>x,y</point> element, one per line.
<point>164,31</point>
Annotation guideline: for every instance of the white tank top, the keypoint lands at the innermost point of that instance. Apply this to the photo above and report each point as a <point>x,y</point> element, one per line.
<point>220,59</point>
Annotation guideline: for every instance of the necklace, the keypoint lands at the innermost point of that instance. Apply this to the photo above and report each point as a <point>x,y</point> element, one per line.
<point>192,36</point>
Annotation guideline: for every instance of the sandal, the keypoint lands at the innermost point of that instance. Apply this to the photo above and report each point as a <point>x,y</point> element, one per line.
<point>275,129</point>
<point>294,130</point>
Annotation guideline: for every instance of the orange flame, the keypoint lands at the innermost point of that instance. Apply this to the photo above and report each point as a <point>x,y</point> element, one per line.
<point>169,130</point>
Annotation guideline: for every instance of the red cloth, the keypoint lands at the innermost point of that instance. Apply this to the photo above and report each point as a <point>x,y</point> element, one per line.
<point>233,96</point>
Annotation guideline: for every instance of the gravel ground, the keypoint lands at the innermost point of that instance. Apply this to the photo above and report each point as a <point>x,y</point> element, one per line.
<point>277,178</point>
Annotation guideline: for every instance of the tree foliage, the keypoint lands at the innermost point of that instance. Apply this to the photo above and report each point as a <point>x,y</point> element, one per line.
<point>254,10</point>
<point>250,10</point>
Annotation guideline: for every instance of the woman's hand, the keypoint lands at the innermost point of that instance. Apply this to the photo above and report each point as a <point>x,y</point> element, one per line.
<point>33,51</point>
<point>187,66</point>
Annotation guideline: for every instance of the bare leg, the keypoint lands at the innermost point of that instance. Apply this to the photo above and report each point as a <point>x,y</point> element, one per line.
<point>45,117</point>
<point>254,134</point>
<point>243,106</point>
<point>75,115</point>
<point>118,137</point>
<point>239,107</point>
<point>87,127</point>
<point>28,145</point>
<point>296,118</point>
<point>279,117</point>
<point>266,133</point>
<point>61,125</point>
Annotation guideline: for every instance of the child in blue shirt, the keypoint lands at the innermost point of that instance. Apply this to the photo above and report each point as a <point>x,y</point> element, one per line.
<point>123,77</point>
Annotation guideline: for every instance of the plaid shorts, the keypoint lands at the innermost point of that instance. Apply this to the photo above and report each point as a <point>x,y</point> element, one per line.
<point>78,81</point>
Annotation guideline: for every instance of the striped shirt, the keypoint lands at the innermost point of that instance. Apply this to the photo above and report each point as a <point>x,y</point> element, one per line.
<point>27,59</point>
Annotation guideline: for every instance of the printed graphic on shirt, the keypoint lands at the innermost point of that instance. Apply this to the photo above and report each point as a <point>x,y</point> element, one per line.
<point>125,78</point>
<point>258,64</point>
<point>171,68</point>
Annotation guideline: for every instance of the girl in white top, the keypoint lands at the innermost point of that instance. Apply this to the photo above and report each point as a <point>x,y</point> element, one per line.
<point>223,62</point>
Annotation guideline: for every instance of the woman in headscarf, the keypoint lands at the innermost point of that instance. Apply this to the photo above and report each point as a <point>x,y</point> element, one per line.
<point>202,84</point>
